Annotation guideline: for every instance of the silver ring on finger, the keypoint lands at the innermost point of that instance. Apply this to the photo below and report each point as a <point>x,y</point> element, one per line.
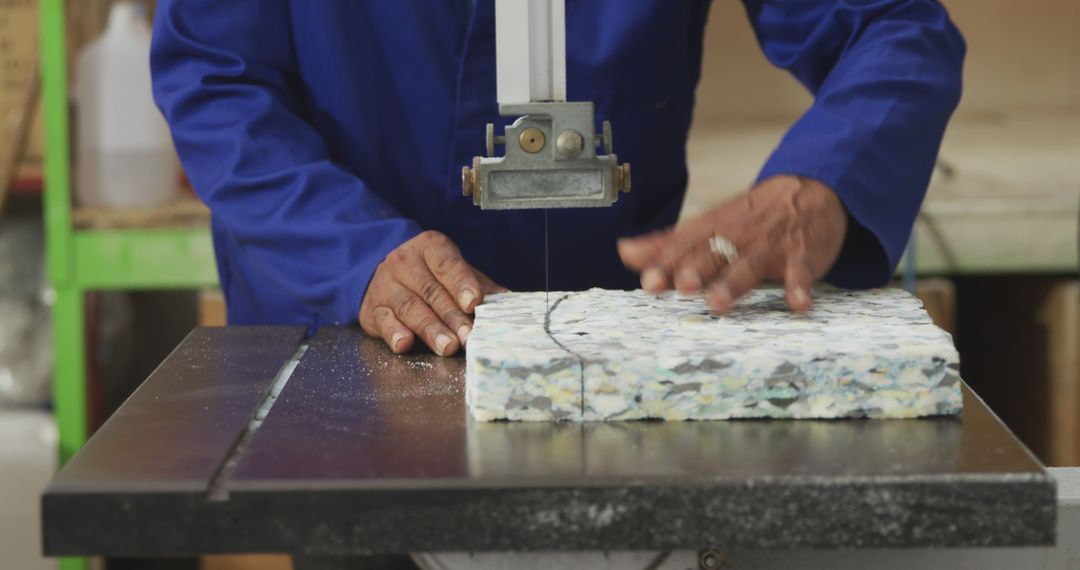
<point>723,248</point>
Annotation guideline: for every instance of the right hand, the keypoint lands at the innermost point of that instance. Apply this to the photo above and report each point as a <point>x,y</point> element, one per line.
<point>424,288</point>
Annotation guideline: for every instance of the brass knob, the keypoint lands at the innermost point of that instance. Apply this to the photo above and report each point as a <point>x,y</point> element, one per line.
<point>620,176</point>
<point>489,140</point>
<point>532,140</point>
<point>468,181</point>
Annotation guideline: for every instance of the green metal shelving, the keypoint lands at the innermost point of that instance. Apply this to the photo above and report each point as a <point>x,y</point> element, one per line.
<point>86,260</point>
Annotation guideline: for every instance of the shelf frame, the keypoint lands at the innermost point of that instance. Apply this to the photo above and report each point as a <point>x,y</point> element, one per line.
<point>93,260</point>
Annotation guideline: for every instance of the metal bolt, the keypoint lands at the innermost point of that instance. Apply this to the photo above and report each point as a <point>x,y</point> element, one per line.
<point>711,560</point>
<point>570,143</point>
<point>624,178</point>
<point>532,140</point>
<point>468,181</point>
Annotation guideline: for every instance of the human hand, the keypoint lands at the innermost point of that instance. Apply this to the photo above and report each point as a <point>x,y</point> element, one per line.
<point>426,288</point>
<point>787,228</point>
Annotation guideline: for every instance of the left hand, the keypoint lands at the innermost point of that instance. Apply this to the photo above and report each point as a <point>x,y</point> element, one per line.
<point>786,228</point>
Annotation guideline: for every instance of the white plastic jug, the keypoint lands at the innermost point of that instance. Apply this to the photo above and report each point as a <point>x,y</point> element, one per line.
<point>124,156</point>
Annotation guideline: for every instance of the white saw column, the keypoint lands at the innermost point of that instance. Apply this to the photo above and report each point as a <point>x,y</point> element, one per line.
<point>530,50</point>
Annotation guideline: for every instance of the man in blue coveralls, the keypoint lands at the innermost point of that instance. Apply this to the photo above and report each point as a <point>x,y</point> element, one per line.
<point>327,137</point>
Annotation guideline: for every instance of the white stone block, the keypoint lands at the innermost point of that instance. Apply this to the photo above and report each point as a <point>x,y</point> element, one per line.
<point>623,355</point>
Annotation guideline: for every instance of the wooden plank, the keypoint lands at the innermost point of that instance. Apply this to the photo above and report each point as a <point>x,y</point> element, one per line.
<point>183,213</point>
<point>18,65</point>
<point>18,137</point>
<point>248,562</point>
<point>212,310</point>
<point>1061,317</point>
<point>939,298</point>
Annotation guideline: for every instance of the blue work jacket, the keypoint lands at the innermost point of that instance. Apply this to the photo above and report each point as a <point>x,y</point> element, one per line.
<point>323,134</point>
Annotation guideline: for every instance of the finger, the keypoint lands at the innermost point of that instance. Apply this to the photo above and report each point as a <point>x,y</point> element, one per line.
<point>656,256</point>
<point>444,260</point>
<point>385,325</point>
<point>640,252</point>
<point>411,310</point>
<point>379,321</point>
<point>654,280</point>
<point>743,275</point>
<point>669,257</point>
<point>698,269</point>
<point>688,280</point>
<point>421,281</point>
<point>680,245</point>
<point>798,280</point>
<point>731,216</point>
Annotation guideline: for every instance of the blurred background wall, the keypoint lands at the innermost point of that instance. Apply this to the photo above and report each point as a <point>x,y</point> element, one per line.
<point>1022,56</point>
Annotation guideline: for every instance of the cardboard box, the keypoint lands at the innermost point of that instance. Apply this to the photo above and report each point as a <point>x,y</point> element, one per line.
<point>246,562</point>
<point>18,56</point>
<point>212,308</point>
<point>1060,315</point>
<point>939,297</point>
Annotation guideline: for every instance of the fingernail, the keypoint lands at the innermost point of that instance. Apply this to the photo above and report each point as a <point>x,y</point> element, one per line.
<point>441,342</point>
<point>720,297</point>
<point>466,298</point>
<point>800,297</point>
<point>463,333</point>
<point>652,279</point>
<point>395,341</point>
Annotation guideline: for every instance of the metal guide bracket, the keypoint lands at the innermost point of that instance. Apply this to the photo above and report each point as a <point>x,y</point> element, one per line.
<point>550,161</point>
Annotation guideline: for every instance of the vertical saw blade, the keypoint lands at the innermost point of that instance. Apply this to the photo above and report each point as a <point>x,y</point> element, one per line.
<point>547,283</point>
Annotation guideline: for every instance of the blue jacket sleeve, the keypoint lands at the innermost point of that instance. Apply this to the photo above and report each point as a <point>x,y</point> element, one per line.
<point>225,78</point>
<point>886,77</point>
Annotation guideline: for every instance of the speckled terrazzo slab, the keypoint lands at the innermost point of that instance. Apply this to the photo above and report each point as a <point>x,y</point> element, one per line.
<point>623,355</point>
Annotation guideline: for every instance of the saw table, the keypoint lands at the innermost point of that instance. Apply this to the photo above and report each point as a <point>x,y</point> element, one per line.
<point>253,439</point>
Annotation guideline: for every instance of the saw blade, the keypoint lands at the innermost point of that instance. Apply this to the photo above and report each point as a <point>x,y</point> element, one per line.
<point>547,283</point>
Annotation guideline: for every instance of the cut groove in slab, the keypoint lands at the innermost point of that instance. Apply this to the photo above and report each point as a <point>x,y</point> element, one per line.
<point>622,355</point>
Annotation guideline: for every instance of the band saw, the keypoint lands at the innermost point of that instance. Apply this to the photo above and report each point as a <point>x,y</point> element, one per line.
<point>259,439</point>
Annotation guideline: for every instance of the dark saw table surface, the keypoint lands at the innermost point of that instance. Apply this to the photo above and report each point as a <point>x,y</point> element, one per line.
<point>227,448</point>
